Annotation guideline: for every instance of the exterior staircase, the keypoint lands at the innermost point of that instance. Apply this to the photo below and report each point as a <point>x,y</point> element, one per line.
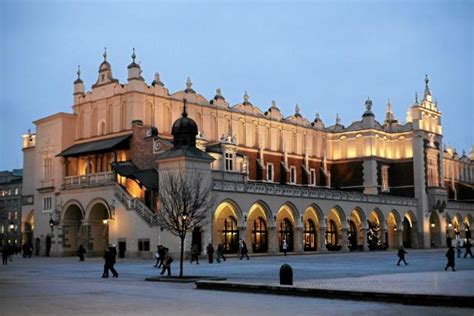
<point>133,204</point>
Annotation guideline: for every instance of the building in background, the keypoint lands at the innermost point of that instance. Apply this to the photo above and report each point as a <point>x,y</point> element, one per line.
<point>91,176</point>
<point>10,207</point>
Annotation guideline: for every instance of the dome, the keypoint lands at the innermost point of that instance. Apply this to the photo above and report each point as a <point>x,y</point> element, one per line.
<point>184,131</point>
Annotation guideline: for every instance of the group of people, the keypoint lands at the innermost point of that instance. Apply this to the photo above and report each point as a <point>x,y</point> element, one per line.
<point>210,253</point>
<point>110,256</point>
<point>8,251</point>
<point>450,254</point>
<point>163,259</point>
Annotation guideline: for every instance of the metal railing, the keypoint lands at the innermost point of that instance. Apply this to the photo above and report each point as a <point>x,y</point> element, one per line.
<point>131,203</point>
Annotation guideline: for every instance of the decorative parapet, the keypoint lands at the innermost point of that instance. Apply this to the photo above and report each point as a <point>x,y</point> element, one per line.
<point>308,192</point>
<point>93,179</point>
<point>454,205</point>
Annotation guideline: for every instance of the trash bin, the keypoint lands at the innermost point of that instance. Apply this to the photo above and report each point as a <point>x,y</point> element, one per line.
<point>286,275</point>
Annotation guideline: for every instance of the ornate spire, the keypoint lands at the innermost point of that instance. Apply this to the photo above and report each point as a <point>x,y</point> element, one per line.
<point>218,95</point>
<point>157,80</point>
<point>317,117</point>
<point>427,88</point>
<point>338,119</point>
<point>416,98</point>
<point>297,110</point>
<point>189,85</point>
<point>78,80</point>
<point>133,55</point>
<point>105,54</point>
<point>246,98</point>
<point>389,117</point>
<point>368,108</point>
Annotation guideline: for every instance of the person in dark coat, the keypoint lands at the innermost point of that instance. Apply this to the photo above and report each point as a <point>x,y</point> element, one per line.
<point>210,253</point>
<point>468,248</point>
<point>161,252</point>
<point>109,257</point>
<point>450,255</point>
<point>243,250</point>
<point>220,253</point>
<point>80,252</point>
<point>195,253</point>
<point>401,255</point>
<point>158,256</point>
<point>167,260</point>
<point>5,254</point>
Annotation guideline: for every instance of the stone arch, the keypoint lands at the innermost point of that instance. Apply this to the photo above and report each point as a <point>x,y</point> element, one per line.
<point>97,216</point>
<point>71,220</point>
<point>28,227</point>
<point>336,228</point>
<point>287,219</point>
<point>226,222</point>
<point>394,229</point>
<point>457,225</point>
<point>410,230</point>
<point>312,219</point>
<point>259,220</point>
<point>435,230</point>
<point>357,225</point>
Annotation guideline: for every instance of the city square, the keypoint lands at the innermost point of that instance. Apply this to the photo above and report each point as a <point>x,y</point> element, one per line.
<point>64,285</point>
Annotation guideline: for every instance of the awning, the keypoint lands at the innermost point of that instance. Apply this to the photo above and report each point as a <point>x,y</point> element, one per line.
<point>99,146</point>
<point>147,178</point>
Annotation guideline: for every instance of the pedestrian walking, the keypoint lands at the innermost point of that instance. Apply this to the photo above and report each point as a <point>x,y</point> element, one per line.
<point>195,253</point>
<point>458,247</point>
<point>210,253</point>
<point>80,252</point>
<point>468,248</point>
<point>284,247</point>
<point>109,258</point>
<point>220,253</point>
<point>450,255</point>
<point>401,255</point>
<point>167,260</point>
<point>161,253</point>
<point>157,256</point>
<point>243,249</point>
<point>5,255</point>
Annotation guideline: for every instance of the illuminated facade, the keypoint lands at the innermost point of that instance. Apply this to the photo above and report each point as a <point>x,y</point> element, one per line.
<point>319,187</point>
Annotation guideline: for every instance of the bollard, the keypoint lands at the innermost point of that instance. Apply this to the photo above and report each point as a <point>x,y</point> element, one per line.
<point>286,275</point>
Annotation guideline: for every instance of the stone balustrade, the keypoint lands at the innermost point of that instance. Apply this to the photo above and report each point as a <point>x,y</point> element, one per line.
<point>86,180</point>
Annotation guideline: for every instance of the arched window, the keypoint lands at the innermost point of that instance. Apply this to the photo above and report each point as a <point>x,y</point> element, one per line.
<point>259,235</point>
<point>242,133</point>
<point>230,235</point>
<point>331,234</point>
<point>309,235</point>
<point>286,233</point>
<point>101,128</point>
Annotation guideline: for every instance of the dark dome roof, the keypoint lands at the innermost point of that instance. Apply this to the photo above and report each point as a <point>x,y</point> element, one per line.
<point>184,131</point>
<point>104,66</point>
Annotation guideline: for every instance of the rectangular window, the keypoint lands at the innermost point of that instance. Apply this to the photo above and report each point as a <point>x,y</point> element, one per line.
<point>385,187</point>
<point>47,203</point>
<point>229,161</point>
<point>313,177</point>
<point>292,174</point>
<point>270,172</point>
<point>17,191</point>
<point>16,215</point>
<point>143,244</point>
<point>47,167</point>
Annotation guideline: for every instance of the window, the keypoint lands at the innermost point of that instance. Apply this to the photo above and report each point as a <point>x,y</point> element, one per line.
<point>230,235</point>
<point>309,235</point>
<point>16,191</point>
<point>270,172</point>
<point>47,167</point>
<point>229,161</point>
<point>313,177</point>
<point>286,234</point>
<point>47,203</point>
<point>9,216</point>
<point>331,234</point>
<point>385,187</point>
<point>292,174</point>
<point>16,215</point>
<point>143,244</point>
<point>259,235</point>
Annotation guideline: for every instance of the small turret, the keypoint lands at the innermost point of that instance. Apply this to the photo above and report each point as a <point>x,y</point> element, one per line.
<point>368,118</point>
<point>389,116</point>
<point>189,85</point>
<point>78,86</point>
<point>105,72</point>
<point>134,70</point>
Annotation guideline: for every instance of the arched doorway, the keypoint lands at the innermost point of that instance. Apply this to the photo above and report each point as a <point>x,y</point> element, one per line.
<point>72,221</point>
<point>99,229</point>
<point>285,233</point>
<point>374,234</point>
<point>311,231</point>
<point>226,228</point>
<point>259,236</point>
<point>309,235</point>
<point>393,229</point>
<point>334,232</point>
<point>285,222</point>
<point>356,226</point>
<point>467,226</point>
<point>435,230</point>
<point>457,226</point>
<point>29,227</point>
<point>257,228</point>
<point>409,230</point>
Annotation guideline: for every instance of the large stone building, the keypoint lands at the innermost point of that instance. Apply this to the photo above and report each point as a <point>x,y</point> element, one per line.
<point>10,207</point>
<point>93,173</point>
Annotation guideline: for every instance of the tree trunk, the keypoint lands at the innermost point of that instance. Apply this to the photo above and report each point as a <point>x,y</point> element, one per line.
<point>181,258</point>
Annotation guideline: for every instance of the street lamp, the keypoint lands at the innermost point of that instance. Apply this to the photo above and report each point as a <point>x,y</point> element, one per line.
<point>450,225</point>
<point>105,221</point>
<point>395,228</point>
<point>12,226</point>
<point>432,225</point>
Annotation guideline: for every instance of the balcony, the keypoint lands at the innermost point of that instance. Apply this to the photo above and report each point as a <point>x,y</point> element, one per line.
<point>46,185</point>
<point>89,180</point>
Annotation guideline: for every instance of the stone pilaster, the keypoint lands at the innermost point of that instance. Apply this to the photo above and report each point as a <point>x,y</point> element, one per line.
<point>322,240</point>
<point>370,176</point>
<point>272,241</point>
<point>344,241</point>
<point>365,244</point>
<point>298,240</point>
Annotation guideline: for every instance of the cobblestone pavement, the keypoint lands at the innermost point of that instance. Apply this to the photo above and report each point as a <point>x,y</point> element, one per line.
<point>59,286</point>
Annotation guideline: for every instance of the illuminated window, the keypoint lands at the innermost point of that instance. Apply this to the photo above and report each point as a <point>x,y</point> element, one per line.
<point>292,174</point>
<point>309,235</point>
<point>385,187</point>
<point>286,233</point>
<point>331,234</point>
<point>259,235</point>
<point>230,235</point>
<point>269,172</point>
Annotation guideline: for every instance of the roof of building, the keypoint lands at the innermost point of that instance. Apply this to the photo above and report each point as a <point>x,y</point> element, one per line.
<point>119,142</point>
<point>147,178</point>
<point>186,151</point>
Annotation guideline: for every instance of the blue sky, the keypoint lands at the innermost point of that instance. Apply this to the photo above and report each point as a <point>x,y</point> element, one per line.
<point>326,56</point>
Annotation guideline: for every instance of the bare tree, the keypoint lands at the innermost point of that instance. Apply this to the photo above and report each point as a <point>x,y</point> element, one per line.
<point>185,199</point>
